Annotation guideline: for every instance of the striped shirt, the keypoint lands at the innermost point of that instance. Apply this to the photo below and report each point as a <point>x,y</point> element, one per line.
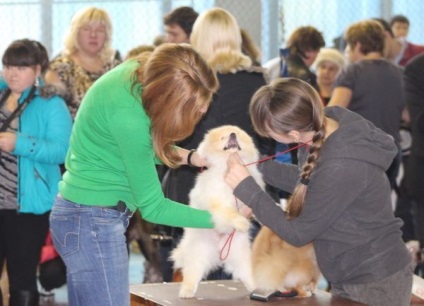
<point>8,169</point>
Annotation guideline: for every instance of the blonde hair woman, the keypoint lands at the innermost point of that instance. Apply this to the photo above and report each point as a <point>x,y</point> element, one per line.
<point>87,55</point>
<point>216,36</point>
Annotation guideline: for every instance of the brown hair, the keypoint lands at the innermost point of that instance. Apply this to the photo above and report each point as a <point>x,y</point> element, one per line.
<point>400,19</point>
<point>285,105</point>
<point>183,16</point>
<point>176,85</point>
<point>134,52</point>
<point>305,39</point>
<point>369,33</point>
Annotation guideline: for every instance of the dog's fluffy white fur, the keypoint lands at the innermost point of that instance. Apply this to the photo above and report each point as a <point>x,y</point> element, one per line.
<point>198,253</point>
<point>277,265</point>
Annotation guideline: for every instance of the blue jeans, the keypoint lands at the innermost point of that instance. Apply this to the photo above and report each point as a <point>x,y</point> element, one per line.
<point>92,244</point>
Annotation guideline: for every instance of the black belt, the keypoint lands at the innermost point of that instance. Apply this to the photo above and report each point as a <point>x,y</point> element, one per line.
<point>121,207</point>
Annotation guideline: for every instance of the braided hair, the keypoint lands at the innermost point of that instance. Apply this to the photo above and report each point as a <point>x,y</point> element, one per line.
<point>290,104</point>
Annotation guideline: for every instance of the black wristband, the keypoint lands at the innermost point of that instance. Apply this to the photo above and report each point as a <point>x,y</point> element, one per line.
<point>189,157</point>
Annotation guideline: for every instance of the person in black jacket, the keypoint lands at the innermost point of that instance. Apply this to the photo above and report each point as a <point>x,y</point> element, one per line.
<point>216,36</point>
<point>414,170</point>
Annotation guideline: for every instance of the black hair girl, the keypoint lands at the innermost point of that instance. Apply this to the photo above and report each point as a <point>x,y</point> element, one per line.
<point>26,53</point>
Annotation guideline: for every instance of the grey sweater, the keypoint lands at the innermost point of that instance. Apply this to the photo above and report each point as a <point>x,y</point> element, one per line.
<point>348,211</point>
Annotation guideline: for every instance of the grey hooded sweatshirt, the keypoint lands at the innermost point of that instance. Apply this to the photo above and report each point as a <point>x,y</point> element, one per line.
<point>347,212</point>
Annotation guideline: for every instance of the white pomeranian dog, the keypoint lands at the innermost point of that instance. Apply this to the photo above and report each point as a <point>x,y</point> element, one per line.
<point>200,251</point>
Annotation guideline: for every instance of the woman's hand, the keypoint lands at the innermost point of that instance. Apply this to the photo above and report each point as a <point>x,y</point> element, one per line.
<point>198,161</point>
<point>195,159</point>
<point>236,171</point>
<point>7,141</point>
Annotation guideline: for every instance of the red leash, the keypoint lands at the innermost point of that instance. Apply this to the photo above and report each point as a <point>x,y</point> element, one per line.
<point>228,241</point>
<point>231,236</point>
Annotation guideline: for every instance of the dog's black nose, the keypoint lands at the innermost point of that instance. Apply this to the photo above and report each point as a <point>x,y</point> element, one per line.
<point>232,142</point>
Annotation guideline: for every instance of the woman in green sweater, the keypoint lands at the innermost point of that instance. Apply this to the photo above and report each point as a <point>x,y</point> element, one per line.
<point>128,121</point>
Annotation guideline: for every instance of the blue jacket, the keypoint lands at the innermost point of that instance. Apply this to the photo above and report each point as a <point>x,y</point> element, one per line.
<point>41,146</point>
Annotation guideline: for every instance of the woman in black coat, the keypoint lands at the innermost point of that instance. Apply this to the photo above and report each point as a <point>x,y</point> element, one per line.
<point>216,36</point>
<point>414,170</point>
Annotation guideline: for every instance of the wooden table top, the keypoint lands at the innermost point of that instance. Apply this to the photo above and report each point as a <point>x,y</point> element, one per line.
<point>222,292</point>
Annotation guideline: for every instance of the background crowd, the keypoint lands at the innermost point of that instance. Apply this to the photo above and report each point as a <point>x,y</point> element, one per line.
<point>374,71</point>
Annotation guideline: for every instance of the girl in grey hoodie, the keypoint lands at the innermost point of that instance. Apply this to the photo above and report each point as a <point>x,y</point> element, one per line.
<point>341,196</point>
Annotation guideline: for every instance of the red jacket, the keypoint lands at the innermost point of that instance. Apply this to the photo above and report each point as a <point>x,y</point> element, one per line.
<point>410,51</point>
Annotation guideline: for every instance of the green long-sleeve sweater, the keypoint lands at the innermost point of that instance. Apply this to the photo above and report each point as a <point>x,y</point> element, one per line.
<point>111,157</point>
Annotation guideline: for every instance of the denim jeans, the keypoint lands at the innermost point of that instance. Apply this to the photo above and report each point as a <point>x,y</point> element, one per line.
<point>91,241</point>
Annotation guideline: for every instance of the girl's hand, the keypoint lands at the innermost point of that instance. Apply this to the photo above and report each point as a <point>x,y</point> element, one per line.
<point>236,171</point>
<point>246,211</point>
<point>7,141</point>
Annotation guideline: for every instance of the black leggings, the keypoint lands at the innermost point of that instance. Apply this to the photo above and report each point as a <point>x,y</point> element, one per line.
<point>21,238</point>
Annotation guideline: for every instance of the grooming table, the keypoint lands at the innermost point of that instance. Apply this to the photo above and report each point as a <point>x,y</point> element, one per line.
<point>222,292</point>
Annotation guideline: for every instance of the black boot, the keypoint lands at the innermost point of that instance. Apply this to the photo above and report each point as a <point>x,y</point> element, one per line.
<point>24,298</point>
<point>1,298</point>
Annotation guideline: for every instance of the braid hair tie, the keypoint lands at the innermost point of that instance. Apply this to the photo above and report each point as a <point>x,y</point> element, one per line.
<point>304,181</point>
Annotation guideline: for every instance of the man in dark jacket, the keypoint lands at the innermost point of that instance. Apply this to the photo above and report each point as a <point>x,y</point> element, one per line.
<point>414,175</point>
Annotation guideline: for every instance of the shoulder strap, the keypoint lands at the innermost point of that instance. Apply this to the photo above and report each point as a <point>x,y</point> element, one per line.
<point>18,111</point>
<point>4,94</point>
<point>284,72</point>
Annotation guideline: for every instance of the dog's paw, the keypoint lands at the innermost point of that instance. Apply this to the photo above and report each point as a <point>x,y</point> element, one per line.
<point>240,223</point>
<point>303,292</point>
<point>249,284</point>
<point>186,292</point>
